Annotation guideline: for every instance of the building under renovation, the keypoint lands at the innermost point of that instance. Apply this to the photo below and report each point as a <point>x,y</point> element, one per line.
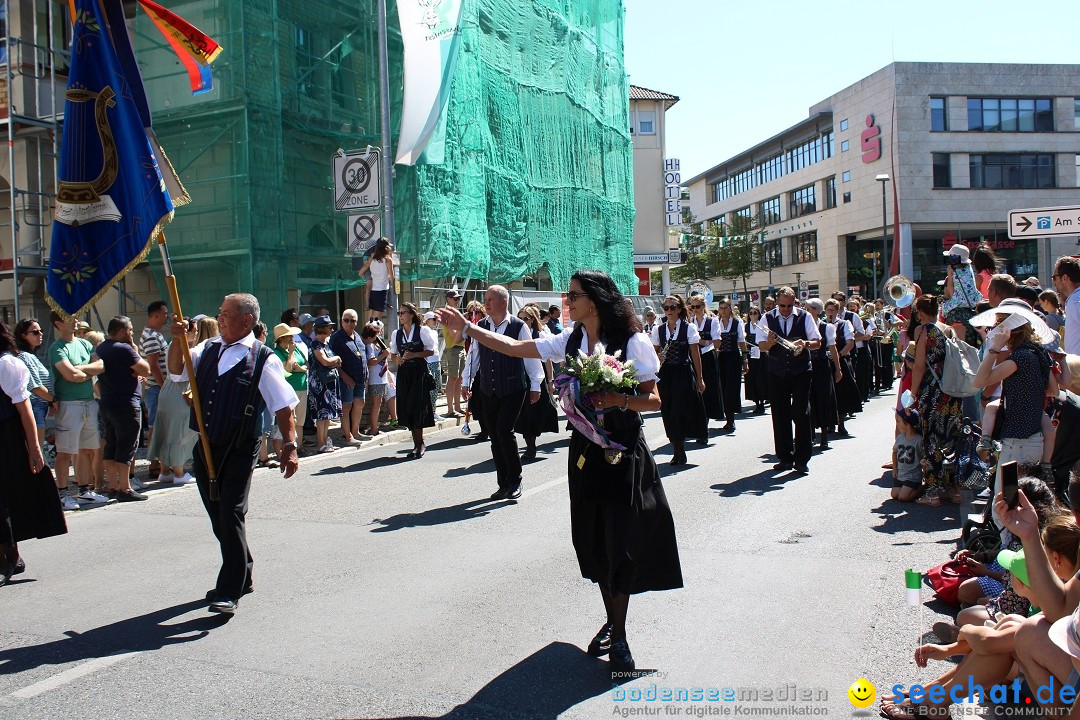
<point>536,181</point>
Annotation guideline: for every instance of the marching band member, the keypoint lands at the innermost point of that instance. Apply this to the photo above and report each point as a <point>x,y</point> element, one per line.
<point>848,401</point>
<point>680,378</point>
<point>708,330</point>
<point>731,346</point>
<point>757,375</point>
<point>825,362</point>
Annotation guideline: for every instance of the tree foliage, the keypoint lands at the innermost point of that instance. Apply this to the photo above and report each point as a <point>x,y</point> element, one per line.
<point>733,251</point>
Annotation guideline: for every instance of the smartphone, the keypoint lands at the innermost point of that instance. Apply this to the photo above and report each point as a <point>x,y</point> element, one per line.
<point>1009,487</point>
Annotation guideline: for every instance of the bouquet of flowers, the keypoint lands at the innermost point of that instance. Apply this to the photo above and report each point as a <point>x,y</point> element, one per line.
<point>582,379</point>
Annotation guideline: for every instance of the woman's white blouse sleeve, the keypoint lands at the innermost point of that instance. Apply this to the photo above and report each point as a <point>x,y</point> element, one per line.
<point>640,349</point>
<point>14,377</point>
<point>553,347</point>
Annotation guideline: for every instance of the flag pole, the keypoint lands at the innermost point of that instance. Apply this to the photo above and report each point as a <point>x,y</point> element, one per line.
<point>174,296</point>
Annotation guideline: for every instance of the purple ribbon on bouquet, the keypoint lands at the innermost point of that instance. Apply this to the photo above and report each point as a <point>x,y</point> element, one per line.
<point>581,414</point>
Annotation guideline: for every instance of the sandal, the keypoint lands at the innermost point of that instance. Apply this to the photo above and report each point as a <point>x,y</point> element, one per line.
<point>903,710</point>
<point>931,498</point>
<point>955,495</point>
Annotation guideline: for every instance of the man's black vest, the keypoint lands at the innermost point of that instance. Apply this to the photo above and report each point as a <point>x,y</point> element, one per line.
<point>225,398</point>
<point>498,374</point>
<point>782,362</point>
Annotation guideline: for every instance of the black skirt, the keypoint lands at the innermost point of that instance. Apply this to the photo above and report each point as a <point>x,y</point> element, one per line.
<point>711,398</point>
<point>29,503</point>
<point>823,394</point>
<point>681,406</point>
<point>730,365</point>
<point>620,521</point>
<point>757,381</point>
<point>848,398</point>
<point>414,386</point>
<point>538,418</point>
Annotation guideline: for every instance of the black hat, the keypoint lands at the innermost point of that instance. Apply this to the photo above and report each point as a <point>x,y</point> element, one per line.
<point>453,294</point>
<point>322,321</point>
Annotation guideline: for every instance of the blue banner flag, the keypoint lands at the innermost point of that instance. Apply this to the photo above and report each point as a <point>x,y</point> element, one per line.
<point>111,198</point>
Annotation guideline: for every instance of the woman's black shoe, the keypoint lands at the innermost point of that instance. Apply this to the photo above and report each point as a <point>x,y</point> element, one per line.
<point>529,454</point>
<point>482,437</point>
<point>679,459</point>
<point>601,644</point>
<point>619,658</point>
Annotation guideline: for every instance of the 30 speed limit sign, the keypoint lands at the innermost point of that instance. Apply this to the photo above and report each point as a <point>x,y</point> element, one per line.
<point>357,180</point>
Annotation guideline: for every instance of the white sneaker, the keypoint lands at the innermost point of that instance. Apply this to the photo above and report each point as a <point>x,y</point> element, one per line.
<point>89,497</point>
<point>165,477</point>
<point>69,503</point>
<point>984,495</point>
<point>137,484</point>
<point>184,479</point>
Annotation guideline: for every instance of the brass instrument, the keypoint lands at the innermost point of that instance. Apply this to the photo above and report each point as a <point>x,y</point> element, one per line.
<point>901,290</point>
<point>784,343</point>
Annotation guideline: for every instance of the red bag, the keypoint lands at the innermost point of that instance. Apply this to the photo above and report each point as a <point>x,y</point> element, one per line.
<point>946,578</point>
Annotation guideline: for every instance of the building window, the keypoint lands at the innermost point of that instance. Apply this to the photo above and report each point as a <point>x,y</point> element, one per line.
<point>803,202</point>
<point>774,255</point>
<point>746,213</point>
<point>939,121</point>
<point>1010,115</point>
<point>305,61</point>
<point>994,171</point>
<point>3,34</point>
<point>806,247</point>
<point>845,145</point>
<point>847,197</point>
<point>1078,171</point>
<point>1076,113</point>
<point>846,176</point>
<point>646,122</point>
<point>774,167</point>
<point>830,192</point>
<point>942,170</point>
<point>843,125</point>
<point>770,211</point>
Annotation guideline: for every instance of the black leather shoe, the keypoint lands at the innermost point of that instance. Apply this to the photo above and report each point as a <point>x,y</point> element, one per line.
<point>529,454</point>
<point>482,437</point>
<point>619,658</point>
<point>20,567</point>
<point>783,466</point>
<point>678,459</point>
<point>225,606</point>
<point>500,494</point>
<point>420,451</point>
<point>730,427</point>
<point>601,644</point>
<point>802,469</point>
<point>514,493</point>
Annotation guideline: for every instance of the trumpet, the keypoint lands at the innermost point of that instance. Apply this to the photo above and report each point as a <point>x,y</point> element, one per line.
<point>784,343</point>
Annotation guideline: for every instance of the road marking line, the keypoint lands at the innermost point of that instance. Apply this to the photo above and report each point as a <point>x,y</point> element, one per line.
<point>63,678</point>
<point>541,488</point>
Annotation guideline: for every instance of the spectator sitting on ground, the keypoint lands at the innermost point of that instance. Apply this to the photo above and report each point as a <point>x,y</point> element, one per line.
<point>907,456</point>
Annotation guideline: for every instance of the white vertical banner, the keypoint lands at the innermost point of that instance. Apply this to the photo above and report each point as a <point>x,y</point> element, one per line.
<point>429,33</point>
<point>672,192</point>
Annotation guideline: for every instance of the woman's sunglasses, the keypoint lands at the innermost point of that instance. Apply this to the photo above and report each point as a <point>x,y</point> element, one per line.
<point>668,308</point>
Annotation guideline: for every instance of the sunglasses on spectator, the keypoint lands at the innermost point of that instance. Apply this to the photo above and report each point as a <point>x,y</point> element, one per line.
<point>696,307</point>
<point>668,308</point>
<point>348,320</point>
<point>575,295</point>
<point>33,332</point>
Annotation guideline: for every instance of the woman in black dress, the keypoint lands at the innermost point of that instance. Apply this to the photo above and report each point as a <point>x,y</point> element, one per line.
<point>622,528</point>
<point>29,504</point>
<point>757,375</point>
<point>680,378</point>
<point>709,333</point>
<point>848,398</point>
<point>825,366</point>
<point>732,343</point>
<point>411,345</point>
<point>541,416</point>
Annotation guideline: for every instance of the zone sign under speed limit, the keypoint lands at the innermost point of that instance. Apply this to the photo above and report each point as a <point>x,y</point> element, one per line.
<point>357,180</point>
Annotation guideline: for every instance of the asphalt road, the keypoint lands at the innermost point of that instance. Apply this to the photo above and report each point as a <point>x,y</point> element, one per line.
<point>387,588</point>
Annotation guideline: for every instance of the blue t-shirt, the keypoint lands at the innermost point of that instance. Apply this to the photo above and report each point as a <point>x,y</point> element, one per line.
<point>351,352</point>
<point>119,387</point>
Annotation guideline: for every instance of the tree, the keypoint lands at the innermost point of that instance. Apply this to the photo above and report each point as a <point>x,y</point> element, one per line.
<point>742,252</point>
<point>702,245</point>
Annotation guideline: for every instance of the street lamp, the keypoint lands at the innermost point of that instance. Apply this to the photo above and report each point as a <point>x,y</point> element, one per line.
<point>883,178</point>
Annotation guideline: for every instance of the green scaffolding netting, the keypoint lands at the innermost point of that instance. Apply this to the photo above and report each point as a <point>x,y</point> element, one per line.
<point>538,168</point>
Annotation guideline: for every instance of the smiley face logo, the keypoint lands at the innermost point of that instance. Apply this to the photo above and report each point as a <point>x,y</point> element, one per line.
<point>862,693</point>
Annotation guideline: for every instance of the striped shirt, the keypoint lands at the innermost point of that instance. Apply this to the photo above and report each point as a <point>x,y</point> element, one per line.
<point>151,341</point>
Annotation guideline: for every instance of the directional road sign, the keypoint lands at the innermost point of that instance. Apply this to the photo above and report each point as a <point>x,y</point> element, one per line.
<point>357,180</point>
<point>363,231</point>
<point>1044,222</point>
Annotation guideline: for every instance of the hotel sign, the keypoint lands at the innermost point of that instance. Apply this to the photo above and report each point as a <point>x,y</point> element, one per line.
<point>672,192</point>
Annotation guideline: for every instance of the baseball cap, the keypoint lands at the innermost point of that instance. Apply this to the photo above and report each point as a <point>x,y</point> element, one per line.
<point>81,326</point>
<point>1014,562</point>
<point>429,316</point>
<point>453,293</point>
<point>306,318</point>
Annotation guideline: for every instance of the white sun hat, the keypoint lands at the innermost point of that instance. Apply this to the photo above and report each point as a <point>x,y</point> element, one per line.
<point>1043,334</point>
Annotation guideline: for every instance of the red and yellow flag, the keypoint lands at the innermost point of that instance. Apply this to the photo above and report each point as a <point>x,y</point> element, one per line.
<point>195,48</point>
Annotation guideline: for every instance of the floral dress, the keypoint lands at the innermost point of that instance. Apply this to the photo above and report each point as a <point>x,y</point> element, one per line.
<point>940,415</point>
<point>324,403</point>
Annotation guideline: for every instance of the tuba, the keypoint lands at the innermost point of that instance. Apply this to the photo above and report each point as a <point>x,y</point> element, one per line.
<point>901,290</point>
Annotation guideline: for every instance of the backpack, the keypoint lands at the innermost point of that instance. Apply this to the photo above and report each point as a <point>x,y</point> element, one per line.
<point>961,364</point>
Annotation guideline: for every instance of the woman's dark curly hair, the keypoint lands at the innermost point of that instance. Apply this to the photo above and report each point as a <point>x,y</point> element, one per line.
<point>983,258</point>
<point>7,340</point>
<point>1039,493</point>
<point>617,318</point>
<point>21,328</point>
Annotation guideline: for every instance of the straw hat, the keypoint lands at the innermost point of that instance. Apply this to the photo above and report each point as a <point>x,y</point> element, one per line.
<point>283,329</point>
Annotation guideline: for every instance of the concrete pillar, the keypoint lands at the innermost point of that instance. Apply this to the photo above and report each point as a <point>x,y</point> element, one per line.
<point>665,279</point>
<point>907,265</point>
